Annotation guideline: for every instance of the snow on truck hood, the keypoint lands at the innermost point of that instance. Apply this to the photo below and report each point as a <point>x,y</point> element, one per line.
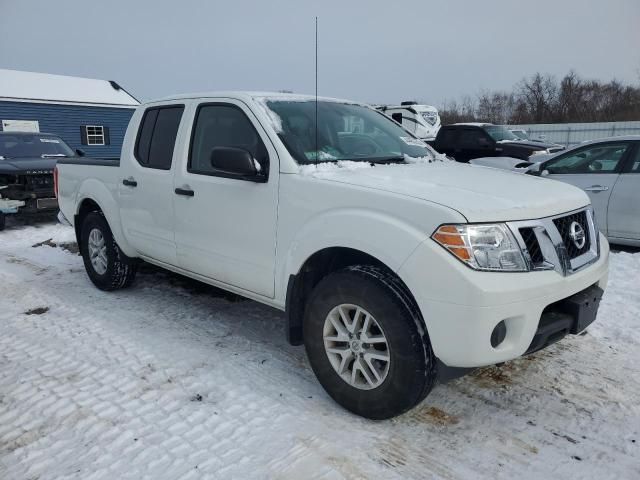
<point>480,194</point>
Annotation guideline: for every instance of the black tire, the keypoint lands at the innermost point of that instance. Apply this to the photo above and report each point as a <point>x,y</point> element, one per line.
<point>412,368</point>
<point>2,221</point>
<point>121,270</point>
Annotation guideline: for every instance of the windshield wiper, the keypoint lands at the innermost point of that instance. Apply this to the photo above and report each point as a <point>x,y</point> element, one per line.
<point>376,160</point>
<point>52,155</point>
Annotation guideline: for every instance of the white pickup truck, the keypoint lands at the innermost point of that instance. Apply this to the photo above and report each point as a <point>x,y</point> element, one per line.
<point>395,269</point>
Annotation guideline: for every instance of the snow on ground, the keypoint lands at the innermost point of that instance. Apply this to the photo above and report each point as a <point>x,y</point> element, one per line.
<point>173,379</point>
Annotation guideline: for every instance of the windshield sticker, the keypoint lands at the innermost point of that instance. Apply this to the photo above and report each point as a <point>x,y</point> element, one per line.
<point>413,141</point>
<point>327,153</point>
<point>49,140</point>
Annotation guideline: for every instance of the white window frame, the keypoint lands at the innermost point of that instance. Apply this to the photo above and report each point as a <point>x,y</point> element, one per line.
<point>95,134</point>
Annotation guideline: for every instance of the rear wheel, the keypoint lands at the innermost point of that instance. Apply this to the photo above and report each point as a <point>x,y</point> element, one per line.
<point>107,267</point>
<point>367,344</point>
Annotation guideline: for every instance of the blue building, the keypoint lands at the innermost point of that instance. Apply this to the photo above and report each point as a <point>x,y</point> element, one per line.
<point>88,114</point>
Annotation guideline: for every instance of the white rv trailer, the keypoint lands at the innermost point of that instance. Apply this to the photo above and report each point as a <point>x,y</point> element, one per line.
<point>421,120</point>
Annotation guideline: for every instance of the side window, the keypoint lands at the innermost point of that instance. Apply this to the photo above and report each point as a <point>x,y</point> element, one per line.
<point>223,126</point>
<point>157,136</point>
<point>601,158</point>
<point>470,138</point>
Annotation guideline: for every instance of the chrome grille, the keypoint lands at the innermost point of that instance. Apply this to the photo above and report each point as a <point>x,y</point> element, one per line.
<point>548,243</point>
<point>563,224</point>
<point>533,247</point>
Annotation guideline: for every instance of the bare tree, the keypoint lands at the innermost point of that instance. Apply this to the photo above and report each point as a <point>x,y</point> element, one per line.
<point>542,99</point>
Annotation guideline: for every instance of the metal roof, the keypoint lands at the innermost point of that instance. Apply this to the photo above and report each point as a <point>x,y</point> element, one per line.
<point>44,87</point>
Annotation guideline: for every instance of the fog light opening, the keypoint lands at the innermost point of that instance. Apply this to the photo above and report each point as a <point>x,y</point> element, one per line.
<point>499,333</point>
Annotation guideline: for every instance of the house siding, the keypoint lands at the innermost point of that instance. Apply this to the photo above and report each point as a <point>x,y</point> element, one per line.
<point>66,120</point>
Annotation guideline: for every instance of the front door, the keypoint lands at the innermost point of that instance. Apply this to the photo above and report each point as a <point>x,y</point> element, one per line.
<point>146,186</point>
<point>593,168</point>
<point>624,205</point>
<point>226,225</point>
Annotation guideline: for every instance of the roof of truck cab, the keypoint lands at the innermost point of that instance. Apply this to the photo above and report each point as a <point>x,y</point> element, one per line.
<point>250,95</point>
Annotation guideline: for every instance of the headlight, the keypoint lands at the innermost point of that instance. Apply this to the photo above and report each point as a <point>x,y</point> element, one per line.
<point>482,247</point>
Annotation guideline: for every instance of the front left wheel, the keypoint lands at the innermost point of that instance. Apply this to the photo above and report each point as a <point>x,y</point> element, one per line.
<point>367,344</point>
<point>107,267</point>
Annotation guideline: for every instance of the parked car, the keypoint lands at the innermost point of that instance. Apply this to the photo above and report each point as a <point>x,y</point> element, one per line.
<point>27,161</point>
<point>609,171</point>
<point>465,141</point>
<point>394,270</point>
<point>421,120</point>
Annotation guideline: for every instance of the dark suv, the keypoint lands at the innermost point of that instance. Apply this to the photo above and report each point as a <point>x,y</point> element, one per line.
<point>27,161</point>
<point>465,141</point>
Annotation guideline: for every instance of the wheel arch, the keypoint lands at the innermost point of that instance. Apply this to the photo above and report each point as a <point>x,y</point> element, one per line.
<point>94,196</point>
<point>315,268</point>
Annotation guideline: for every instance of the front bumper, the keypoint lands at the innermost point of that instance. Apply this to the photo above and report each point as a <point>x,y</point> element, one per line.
<point>461,307</point>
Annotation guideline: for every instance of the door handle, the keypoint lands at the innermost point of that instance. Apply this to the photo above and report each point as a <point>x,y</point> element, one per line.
<point>185,191</point>
<point>596,188</point>
<point>129,182</point>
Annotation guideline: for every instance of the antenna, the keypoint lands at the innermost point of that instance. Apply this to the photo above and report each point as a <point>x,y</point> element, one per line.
<point>317,152</point>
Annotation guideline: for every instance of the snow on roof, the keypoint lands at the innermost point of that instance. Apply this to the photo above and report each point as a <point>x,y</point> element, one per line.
<point>31,86</point>
<point>416,107</point>
<point>257,96</point>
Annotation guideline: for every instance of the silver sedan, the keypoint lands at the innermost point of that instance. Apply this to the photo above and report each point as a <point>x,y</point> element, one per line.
<point>608,170</point>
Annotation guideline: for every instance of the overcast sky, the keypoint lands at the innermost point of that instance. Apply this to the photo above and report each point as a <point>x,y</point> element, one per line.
<point>374,51</point>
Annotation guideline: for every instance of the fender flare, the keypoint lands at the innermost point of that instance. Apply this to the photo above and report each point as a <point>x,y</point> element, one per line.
<point>92,189</point>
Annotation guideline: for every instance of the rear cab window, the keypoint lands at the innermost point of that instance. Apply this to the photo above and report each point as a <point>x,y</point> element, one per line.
<point>471,137</point>
<point>157,136</point>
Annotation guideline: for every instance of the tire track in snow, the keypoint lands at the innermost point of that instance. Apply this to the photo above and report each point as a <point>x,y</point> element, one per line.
<point>130,363</point>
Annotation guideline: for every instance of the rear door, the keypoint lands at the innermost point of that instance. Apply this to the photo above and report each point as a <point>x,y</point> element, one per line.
<point>624,204</point>
<point>445,140</point>
<point>146,186</point>
<point>474,142</point>
<point>595,169</point>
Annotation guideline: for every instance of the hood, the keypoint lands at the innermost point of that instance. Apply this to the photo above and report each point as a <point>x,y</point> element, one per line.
<point>534,145</point>
<point>480,194</point>
<point>25,166</point>
<point>505,163</point>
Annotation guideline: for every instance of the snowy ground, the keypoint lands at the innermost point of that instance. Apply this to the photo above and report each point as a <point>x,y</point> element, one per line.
<point>175,380</point>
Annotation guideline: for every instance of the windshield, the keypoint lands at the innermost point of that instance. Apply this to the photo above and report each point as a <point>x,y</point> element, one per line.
<point>520,134</point>
<point>499,133</point>
<point>345,132</point>
<point>33,145</point>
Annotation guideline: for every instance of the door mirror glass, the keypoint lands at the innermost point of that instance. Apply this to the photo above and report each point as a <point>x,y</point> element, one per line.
<point>235,161</point>
<point>80,152</point>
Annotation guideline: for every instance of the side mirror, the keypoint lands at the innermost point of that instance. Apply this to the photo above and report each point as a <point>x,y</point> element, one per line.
<point>80,152</point>
<point>234,161</point>
<point>544,173</point>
